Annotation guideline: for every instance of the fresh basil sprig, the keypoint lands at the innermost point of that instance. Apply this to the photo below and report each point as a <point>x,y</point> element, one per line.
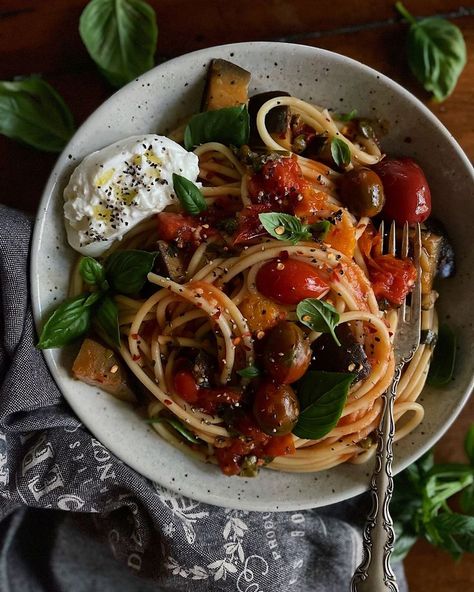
<point>340,152</point>
<point>31,111</point>
<point>230,125</point>
<point>318,316</point>
<point>120,36</point>
<point>444,358</point>
<point>126,271</point>
<point>189,195</point>
<point>436,53</point>
<point>322,396</point>
<point>93,273</point>
<point>285,227</point>
<point>249,372</point>
<point>175,424</point>
<point>106,321</point>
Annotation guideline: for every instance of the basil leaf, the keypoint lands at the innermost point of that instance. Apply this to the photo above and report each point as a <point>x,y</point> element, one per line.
<point>126,271</point>
<point>230,125</point>
<point>249,372</point>
<point>318,316</point>
<point>68,322</point>
<point>31,111</point>
<point>322,396</point>
<point>347,116</point>
<point>469,444</point>
<point>444,358</point>
<point>189,195</point>
<point>284,227</point>
<point>466,500</point>
<point>321,228</point>
<point>457,526</point>
<point>120,36</point>
<point>106,322</point>
<point>436,53</point>
<point>340,152</point>
<point>93,273</point>
<point>177,425</point>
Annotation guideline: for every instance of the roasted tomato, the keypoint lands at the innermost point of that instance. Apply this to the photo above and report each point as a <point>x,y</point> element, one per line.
<point>185,385</point>
<point>261,313</point>
<point>182,229</point>
<point>391,278</point>
<point>207,399</point>
<point>341,236</point>
<point>279,182</point>
<point>290,281</point>
<point>275,408</point>
<point>249,228</point>
<point>279,446</point>
<point>407,194</point>
<point>286,353</point>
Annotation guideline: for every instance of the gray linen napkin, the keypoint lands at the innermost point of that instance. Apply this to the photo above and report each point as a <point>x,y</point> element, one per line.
<point>75,518</point>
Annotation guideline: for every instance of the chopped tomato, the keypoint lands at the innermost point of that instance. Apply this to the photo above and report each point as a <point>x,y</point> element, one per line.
<point>279,182</point>
<point>391,278</point>
<point>185,385</point>
<point>250,228</point>
<point>182,229</point>
<point>261,313</point>
<point>342,236</point>
<point>279,446</point>
<point>290,281</point>
<point>210,399</point>
<point>312,202</point>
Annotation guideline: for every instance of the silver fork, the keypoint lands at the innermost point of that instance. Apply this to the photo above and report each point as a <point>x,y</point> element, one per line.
<point>375,574</point>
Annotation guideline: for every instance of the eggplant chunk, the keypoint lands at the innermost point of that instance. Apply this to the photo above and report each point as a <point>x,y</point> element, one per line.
<point>437,259</point>
<point>446,264</point>
<point>348,357</point>
<point>99,366</point>
<point>226,86</point>
<point>170,262</point>
<point>203,369</point>
<point>277,121</point>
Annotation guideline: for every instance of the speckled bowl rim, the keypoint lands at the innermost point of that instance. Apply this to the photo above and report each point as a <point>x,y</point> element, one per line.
<point>225,498</point>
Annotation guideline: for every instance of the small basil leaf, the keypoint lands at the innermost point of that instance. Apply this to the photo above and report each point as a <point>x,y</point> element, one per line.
<point>340,152</point>
<point>31,111</point>
<point>189,195</point>
<point>318,316</point>
<point>230,125</point>
<point>106,322</point>
<point>249,372</point>
<point>436,53</point>
<point>347,116</point>
<point>444,358</point>
<point>284,227</point>
<point>92,272</point>
<point>126,271</point>
<point>177,425</point>
<point>321,228</point>
<point>120,36</point>
<point>322,396</point>
<point>469,444</point>
<point>68,322</point>
<point>92,298</point>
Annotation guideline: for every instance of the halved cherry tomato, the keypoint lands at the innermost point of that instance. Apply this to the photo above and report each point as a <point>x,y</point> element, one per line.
<point>182,229</point>
<point>391,278</point>
<point>407,194</point>
<point>278,182</point>
<point>207,399</point>
<point>185,386</point>
<point>290,281</point>
<point>250,228</point>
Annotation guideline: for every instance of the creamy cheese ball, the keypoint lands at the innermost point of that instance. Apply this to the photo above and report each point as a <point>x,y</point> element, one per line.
<point>115,188</point>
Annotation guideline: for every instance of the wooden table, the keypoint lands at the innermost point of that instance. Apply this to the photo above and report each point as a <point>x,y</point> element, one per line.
<point>38,36</point>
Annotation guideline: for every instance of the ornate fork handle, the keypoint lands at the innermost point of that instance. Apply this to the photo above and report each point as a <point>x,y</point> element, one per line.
<point>375,574</point>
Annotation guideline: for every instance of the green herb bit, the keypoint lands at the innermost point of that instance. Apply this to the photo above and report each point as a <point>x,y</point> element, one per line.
<point>340,152</point>
<point>249,372</point>
<point>189,195</point>
<point>176,425</point>
<point>318,316</point>
<point>230,125</point>
<point>285,227</point>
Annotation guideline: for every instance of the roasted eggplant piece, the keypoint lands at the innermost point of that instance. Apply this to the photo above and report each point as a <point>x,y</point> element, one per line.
<point>277,121</point>
<point>170,262</point>
<point>446,264</point>
<point>348,357</point>
<point>203,370</point>
<point>99,366</point>
<point>226,86</point>
<point>437,259</point>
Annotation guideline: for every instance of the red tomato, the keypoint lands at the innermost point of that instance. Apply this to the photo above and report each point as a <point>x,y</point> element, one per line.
<point>250,227</point>
<point>279,446</point>
<point>211,399</point>
<point>278,182</point>
<point>290,281</point>
<point>185,386</point>
<point>391,278</point>
<point>182,229</point>
<point>407,194</point>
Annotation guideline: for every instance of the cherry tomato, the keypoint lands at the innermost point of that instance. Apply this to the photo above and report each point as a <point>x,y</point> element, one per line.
<point>275,408</point>
<point>286,353</point>
<point>362,192</point>
<point>278,182</point>
<point>280,446</point>
<point>182,229</point>
<point>407,194</point>
<point>391,278</point>
<point>210,399</point>
<point>290,281</point>
<point>185,386</point>
<point>249,227</point>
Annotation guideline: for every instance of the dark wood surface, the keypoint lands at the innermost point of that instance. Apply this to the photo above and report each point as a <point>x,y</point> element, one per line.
<point>38,36</point>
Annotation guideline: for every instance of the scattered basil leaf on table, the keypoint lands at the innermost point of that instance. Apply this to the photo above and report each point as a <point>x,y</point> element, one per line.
<point>189,195</point>
<point>68,322</point>
<point>106,321</point>
<point>93,273</point>
<point>249,372</point>
<point>230,125</point>
<point>318,316</point>
<point>126,271</point>
<point>346,116</point>
<point>177,425</point>
<point>120,36</point>
<point>340,152</point>
<point>32,112</point>
<point>322,396</point>
<point>444,358</point>
<point>436,53</point>
<point>321,228</point>
<point>284,227</point>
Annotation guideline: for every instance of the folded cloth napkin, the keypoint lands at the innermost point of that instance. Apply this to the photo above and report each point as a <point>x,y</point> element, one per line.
<point>69,524</point>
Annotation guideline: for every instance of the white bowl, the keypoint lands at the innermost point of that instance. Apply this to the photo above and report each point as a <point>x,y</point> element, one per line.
<point>154,103</point>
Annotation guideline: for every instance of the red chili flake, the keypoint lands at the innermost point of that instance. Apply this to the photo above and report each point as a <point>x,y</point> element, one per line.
<point>284,255</point>
<point>134,336</point>
<point>135,358</point>
<point>168,402</point>
<point>217,315</point>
